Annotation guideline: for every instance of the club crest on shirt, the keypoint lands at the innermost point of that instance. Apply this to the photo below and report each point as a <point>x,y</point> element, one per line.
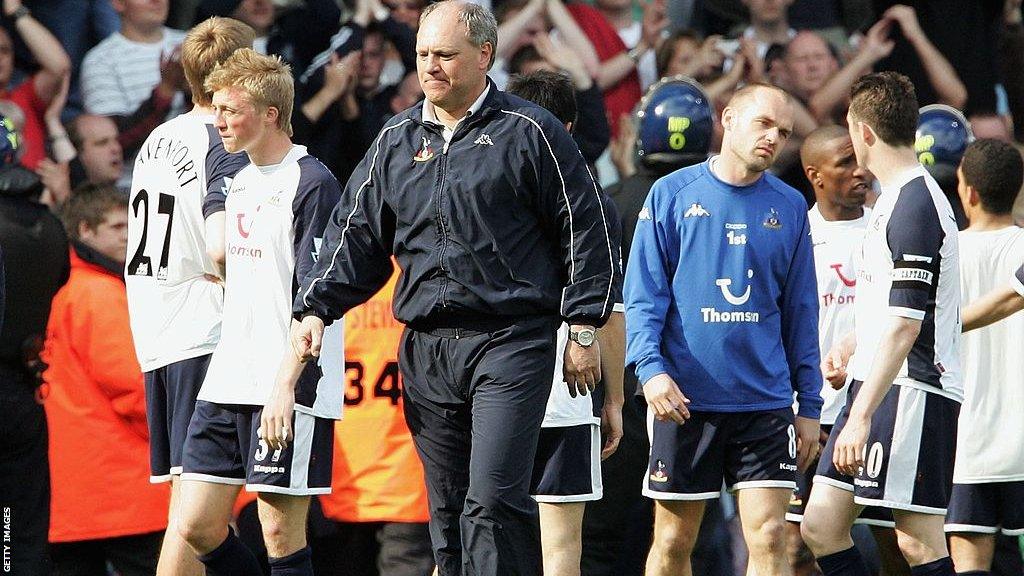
<point>659,475</point>
<point>425,152</point>
<point>275,199</point>
<point>771,221</point>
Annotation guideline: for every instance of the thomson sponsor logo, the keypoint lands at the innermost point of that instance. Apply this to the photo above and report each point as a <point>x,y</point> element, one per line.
<point>244,251</point>
<point>713,316</point>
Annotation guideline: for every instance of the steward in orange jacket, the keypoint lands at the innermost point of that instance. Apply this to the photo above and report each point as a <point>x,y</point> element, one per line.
<point>99,451</point>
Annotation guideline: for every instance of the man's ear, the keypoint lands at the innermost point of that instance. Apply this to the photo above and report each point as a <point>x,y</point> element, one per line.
<point>84,231</point>
<point>973,198</point>
<point>867,133</point>
<point>271,114</point>
<point>728,117</point>
<point>813,176</point>
<point>485,55</point>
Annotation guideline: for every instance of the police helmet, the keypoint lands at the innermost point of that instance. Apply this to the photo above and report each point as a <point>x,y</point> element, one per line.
<point>674,123</point>
<point>10,141</point>
<point>942,136</point>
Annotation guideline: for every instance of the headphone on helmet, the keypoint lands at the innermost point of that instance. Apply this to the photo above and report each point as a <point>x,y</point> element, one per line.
<point>10,142</point>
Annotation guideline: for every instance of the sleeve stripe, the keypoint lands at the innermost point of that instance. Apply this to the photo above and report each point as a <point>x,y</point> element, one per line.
<point>565,195</point>
<point>355,206</point>
<point>608,240</point>
<point>321,59</point>
<point>905,312</point>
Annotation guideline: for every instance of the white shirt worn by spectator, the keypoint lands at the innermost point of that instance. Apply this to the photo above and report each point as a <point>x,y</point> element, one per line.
<point>989,446</point>
<point>119,74</point>
<point>647,67</point>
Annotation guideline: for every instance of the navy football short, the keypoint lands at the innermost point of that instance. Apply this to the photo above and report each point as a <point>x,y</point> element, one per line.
<point>567,467</point>
<point>871,515</point>
<point>987,508</point>
<point>909,454</point>
<point>745,449</point>
<point>170,400</point>
<point>223,447</point>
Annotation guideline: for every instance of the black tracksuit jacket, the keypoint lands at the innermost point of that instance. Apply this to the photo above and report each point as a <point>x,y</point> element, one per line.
<point>504,221</point>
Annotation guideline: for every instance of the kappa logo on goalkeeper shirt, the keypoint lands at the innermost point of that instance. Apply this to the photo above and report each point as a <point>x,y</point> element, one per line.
<point>695,210</point>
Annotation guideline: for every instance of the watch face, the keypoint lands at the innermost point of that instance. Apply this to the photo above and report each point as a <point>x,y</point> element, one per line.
<point>585,337</point>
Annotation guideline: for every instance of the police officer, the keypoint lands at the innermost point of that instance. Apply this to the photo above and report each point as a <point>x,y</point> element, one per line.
<point>942,136</point>
<point>36,261</point>
<point>500,233</point>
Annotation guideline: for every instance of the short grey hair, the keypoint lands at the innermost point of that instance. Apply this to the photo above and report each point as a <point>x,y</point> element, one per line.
<point>480,24</point>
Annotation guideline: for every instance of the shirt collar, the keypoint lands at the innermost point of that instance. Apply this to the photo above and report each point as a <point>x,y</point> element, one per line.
<point>430,115</point>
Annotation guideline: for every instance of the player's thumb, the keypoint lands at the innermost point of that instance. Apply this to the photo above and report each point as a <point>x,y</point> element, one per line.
<point>316,338</point>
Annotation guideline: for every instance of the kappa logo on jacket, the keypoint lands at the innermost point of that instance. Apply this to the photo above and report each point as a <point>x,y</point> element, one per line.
<point>484,139</point>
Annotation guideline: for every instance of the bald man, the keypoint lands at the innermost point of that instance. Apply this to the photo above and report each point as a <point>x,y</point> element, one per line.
<point>838,220</point>
<point>721,332</point>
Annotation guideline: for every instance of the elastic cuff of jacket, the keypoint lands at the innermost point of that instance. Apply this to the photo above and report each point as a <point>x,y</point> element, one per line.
<point>586,321</point>
<point>300,316</point>
<point>813,411</point>
<point>648,371</point>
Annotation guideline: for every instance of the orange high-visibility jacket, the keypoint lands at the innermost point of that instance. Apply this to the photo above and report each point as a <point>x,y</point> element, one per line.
<point>377,475</point>
<point>96,409</point>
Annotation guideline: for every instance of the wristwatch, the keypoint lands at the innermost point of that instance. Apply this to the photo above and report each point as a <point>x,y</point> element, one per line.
<point>584,337</point>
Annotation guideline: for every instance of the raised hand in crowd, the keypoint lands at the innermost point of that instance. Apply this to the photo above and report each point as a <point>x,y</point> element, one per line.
<point>340,77</point>
<point>753,69</point>
<point>563,57</point>
<point>367,11</point>
<point>172,75</point>
<point>61,148</point>
<point>56,179</point>
<point>941,75</point>
<point>653,24</point>
<point>831,99</point>
<point>623,147</point>
<point>707,60</point>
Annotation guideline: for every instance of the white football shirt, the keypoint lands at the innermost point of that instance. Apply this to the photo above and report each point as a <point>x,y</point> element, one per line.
<point>174,308</point>
<point>990,435</point>
<point>908,266</point>
<point>835,244</point>
<point>276,216</point>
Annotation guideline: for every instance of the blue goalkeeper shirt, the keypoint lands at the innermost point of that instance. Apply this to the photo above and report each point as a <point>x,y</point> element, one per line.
<point>721,294</point>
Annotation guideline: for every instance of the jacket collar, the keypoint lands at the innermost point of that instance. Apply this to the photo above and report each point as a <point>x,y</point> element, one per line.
<point>86,256</point>
<point>490,99</point>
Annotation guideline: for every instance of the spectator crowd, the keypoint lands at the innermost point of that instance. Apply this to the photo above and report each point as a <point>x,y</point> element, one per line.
<point>83,83</point>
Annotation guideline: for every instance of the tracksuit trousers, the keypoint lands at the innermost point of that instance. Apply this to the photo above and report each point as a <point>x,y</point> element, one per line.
<point>474,402</point>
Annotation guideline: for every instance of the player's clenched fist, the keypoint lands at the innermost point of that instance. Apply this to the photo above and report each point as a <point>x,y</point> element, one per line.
<point>306,337</point>
<point>665,400</point>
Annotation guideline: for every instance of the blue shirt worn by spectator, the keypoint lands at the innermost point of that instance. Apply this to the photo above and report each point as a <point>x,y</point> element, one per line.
<point>720,293</point>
